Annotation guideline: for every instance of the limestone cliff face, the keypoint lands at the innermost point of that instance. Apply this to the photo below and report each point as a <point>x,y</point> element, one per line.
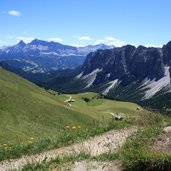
<point>127,73</point>
<point>128,63</point>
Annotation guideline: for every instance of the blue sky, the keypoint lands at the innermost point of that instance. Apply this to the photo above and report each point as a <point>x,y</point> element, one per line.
<point>83,22</point>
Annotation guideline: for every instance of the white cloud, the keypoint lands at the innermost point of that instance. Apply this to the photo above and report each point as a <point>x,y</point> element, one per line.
<point>25,39</point>
<point>14,13</point>
<point>153,45</point>
<point>55,39</point>
<point>113,41</point>
<point>0,42</point>
<point>88,38</point>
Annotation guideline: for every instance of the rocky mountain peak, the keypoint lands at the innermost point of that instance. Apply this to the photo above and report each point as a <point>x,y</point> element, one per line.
<point>37,42</point>
<point>142,70</point>
<point>21,43</point>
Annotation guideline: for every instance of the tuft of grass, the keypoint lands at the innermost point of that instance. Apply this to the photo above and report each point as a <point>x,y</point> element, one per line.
<point>111,156</point>
<point>137,147</point>
<point>152,162</point>
<point>149,118</point>
<point>60,161</point>
<point>56,163</point>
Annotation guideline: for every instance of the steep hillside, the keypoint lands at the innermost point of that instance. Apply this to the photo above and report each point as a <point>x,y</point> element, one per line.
<point>29,111</point>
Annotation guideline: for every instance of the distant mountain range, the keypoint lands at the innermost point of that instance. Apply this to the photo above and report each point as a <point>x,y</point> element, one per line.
<point>41,56</point>
<point>126,73</point>
<point>129,73</point>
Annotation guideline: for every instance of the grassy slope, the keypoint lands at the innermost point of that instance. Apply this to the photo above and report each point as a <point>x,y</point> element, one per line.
<point>29,111</point>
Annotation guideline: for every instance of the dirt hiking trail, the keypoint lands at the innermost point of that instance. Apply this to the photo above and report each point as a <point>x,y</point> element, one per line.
<point>107,142</point>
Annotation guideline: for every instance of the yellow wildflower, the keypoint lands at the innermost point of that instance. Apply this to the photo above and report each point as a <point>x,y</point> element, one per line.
<point>30,142</point>
<point>67,126</point>
<point>5,145</point>
<point>79,127</point>
<point>73,127</point>
<point>31,138</point>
